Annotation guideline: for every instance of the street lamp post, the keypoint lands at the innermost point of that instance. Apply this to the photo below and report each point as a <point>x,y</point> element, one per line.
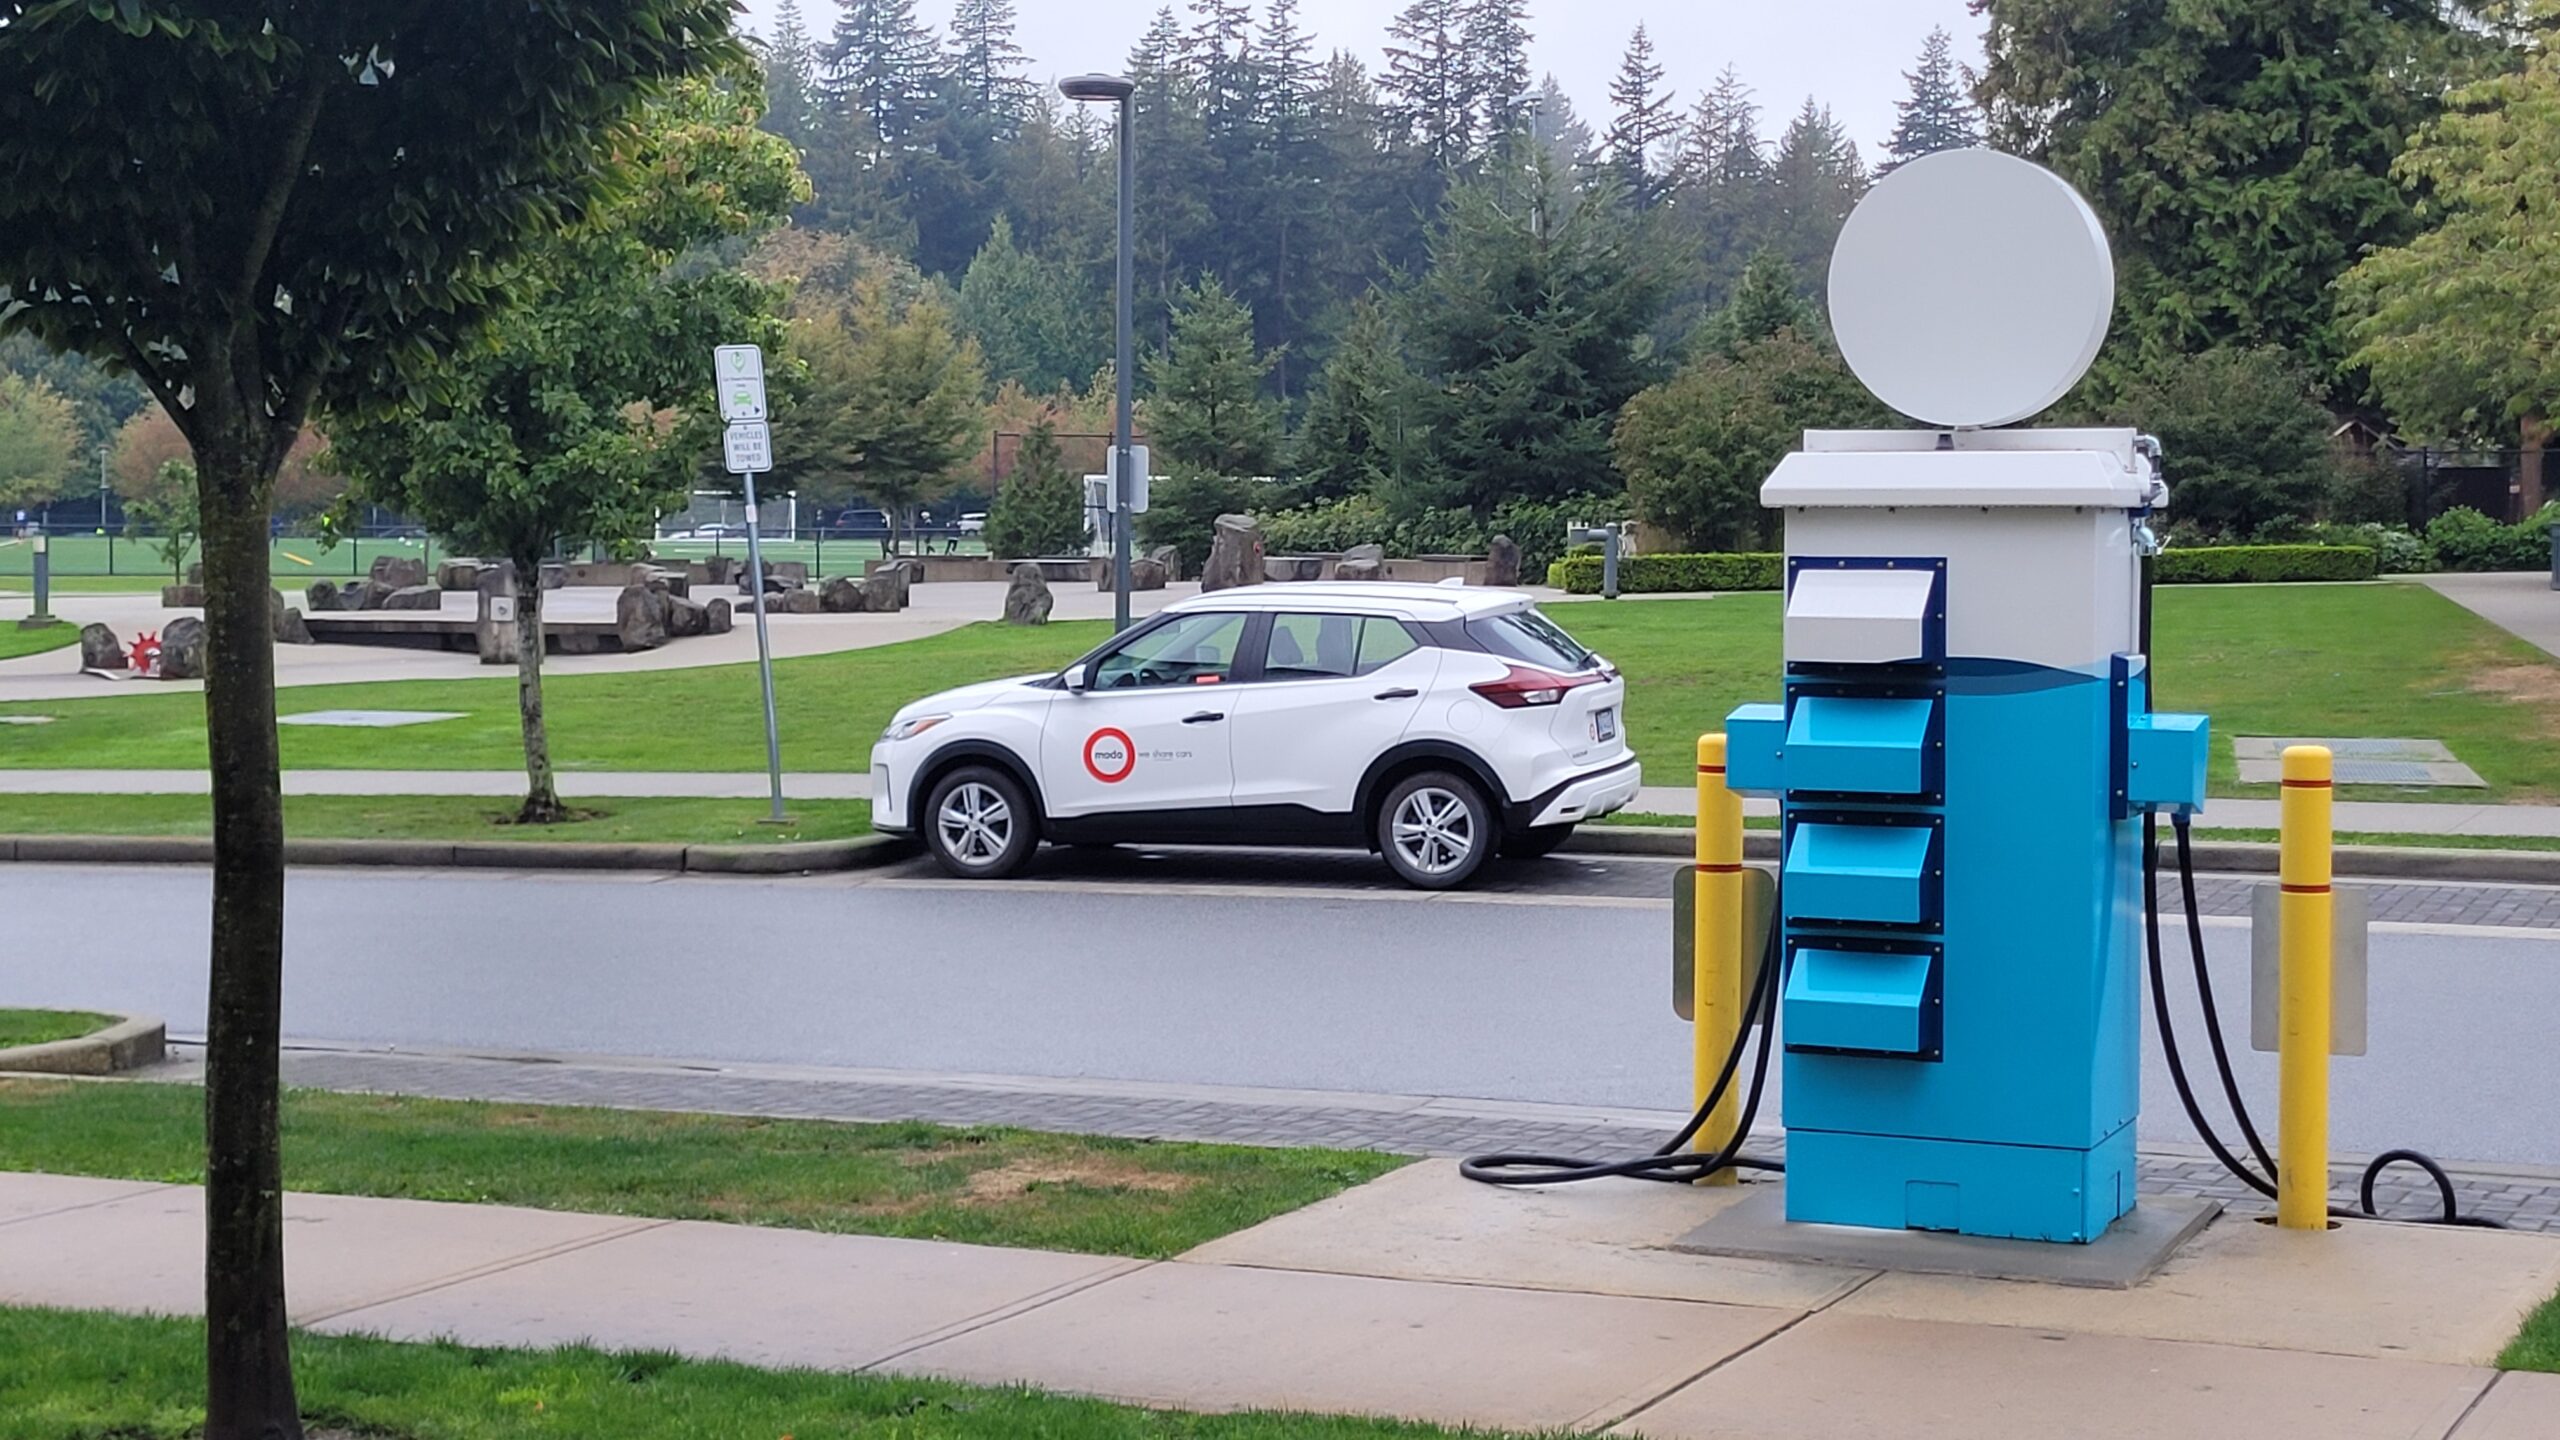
<point>1118,90</point>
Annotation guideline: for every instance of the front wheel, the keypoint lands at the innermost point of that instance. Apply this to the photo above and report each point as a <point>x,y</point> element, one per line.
<point>1536,843</point>
<point>1436,830</point>
<point>980,824</point>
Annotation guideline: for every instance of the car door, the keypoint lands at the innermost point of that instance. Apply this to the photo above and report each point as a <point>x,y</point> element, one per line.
<point>1152,729</point>
<point>1336,691</point>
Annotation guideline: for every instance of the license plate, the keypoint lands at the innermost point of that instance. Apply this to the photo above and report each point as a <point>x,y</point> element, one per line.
<point>1604,726</point>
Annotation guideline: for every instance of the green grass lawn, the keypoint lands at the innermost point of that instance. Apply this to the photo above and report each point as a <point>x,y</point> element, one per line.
<point>78,1376</point>
<point>928,1182</point>
<point>2359,660</point>
<point>15,642</point>
<point>445,817</point>
<point>2537,1346</point>
<point>43,1027</point>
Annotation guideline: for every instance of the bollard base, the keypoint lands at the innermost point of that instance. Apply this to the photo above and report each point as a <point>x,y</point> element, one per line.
<point>2132,1250</point>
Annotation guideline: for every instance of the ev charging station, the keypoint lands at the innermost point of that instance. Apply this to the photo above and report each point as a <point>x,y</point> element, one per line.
<point>1965,747</point>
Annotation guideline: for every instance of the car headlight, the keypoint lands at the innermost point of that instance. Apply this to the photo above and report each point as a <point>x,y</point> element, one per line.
<point>911,727</point>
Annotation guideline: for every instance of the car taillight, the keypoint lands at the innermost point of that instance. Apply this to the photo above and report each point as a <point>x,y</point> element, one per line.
<point>1524,687</point>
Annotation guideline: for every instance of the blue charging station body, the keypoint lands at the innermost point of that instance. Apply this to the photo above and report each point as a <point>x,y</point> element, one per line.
<point>1963,751</point>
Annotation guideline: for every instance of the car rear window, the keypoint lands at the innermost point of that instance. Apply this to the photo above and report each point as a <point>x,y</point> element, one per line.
<point>1530,638</point>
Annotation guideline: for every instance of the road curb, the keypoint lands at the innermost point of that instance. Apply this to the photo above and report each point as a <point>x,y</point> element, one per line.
<point>794,858</point>
<point>129,1044</point>
<point>2221,857</point>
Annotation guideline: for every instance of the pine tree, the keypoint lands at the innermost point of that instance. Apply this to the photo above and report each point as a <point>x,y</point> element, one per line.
<point>880,66</point>
<point>1205,408</point>
<point>790,78</point>
<point>1641,121</point>
<point>1354,440</point>
<point>1769,300</point>
<point>1816,179</point>
<point>1720,145</point>
<point>1289,76</point>
<point>1557,130</point>
<point>1219,51</point>
<point>1038,323</point>
<point>1496,36</point>
<point>985,61</point>
<point>1426,84</point>
<point>1939,115</point>
<point>1039,510</point>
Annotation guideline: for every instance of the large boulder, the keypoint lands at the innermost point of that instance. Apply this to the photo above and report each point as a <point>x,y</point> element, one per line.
<point>365,595</point>
<point>182,649</point>
<point>1293,567</point>
<point>398,571</point>
<point>321,596</point>
<point>717,617</point>
<point>1170,557</point>
<point>289,629</point>
<point>841,595</point>
<point>1362,562</point>
<point>640,618</point>
<point>1027,600</point>
<point>458,574</point>
<point>885,590</point>
<point>182,597</point>
<point>799,601</point>
<point>1502,561</point>
<point>686,616</point>
<point>1235,554</point>
<point>718,569</point>
<point>101,650</point>
<point>413,597</point>
<point>1145,573</point>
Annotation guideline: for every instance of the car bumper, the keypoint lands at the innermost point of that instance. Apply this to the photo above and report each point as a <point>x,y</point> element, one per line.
<point>888,804</point>
<point>1585,797</point>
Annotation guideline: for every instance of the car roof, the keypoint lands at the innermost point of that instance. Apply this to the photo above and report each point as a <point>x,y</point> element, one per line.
<point>1408,599</point>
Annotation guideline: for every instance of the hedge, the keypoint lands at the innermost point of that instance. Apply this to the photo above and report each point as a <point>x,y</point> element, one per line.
<point>2206,565</point>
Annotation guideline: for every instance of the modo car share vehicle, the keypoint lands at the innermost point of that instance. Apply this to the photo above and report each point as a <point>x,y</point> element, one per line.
<point>1436,725</point>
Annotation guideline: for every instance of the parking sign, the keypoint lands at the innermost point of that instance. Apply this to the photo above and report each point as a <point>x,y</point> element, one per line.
<point>748,447</point>
<point>740,371</point>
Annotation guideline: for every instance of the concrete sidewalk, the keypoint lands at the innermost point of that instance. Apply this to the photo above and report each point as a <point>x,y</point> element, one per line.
<point>2385,817</point>
<point>1416,1296</point>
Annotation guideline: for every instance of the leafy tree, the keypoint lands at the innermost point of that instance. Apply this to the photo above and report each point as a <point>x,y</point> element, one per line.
<point>1040,509</point>
<point>1530,330</point>
<point>1697,448</point>
<point>304,485</point>
<point>308,203</point>
<point>1205,408</point>
<point>1815,180</point>
<point>37,434</point>
<point>2456,325</point>
<point>2244,440</point>
<point>1767,302</point>
<point>581,417</point>
<point>912,400</point>
<point>2240,154</point>
<point>1938,115</point>
<point>1039,322</point>
<point>1642,119</point>
<point>101,400</point>
<point>163,516</point>
<point>1355,438</point>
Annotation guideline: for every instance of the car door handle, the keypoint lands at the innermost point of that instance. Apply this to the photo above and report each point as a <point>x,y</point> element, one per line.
<point>1397,694</point>
<point>1205,717</point>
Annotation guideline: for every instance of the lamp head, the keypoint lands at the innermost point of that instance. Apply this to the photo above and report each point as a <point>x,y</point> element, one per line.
<point>1097,87</point>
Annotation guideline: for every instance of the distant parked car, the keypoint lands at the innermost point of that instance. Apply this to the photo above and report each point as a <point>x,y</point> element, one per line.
<point>974,523</point>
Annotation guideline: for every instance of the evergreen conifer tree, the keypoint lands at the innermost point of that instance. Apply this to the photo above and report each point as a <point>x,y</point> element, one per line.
<point>1040,508</point>
<point>1641,118</point>
<point>1205,407</point>
<point>1938,115</point>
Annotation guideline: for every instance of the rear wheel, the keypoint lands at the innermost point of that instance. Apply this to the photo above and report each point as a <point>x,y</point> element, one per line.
<point>1535,843</point>
<point>1436,830</point>
<point>980,824</point>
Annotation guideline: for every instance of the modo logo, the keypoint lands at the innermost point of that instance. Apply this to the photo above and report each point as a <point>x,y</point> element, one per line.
<point>1109,756</point>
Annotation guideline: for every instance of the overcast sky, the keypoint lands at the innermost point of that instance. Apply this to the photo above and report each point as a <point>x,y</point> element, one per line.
<point>1849,54</point>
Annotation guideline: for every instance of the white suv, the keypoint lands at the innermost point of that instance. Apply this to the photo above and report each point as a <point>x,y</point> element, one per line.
<point>1435,725</point>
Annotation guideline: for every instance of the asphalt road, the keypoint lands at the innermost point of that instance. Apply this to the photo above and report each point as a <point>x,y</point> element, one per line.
<point>1267,970</point>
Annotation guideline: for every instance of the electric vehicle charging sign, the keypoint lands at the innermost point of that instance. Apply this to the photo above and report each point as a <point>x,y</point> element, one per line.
<point>1110,756</point>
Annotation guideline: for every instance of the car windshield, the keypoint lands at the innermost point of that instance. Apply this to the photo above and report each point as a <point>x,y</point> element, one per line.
<point>1530,638</point>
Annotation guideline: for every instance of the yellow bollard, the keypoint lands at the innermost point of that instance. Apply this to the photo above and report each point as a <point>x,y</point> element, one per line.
<point>2302,1056</point>
<point>1716,977</point>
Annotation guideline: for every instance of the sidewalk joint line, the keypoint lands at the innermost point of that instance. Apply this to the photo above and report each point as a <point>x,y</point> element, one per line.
<point>1009,1310</point>
<point>152,1187</point>
<point>2455,1429</point>
<point>513,1262</point>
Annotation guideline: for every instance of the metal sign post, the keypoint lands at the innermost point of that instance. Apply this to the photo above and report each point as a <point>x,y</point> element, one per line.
<point>748,449</point>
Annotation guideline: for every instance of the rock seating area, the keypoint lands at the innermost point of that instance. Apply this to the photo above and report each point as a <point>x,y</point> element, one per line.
<point>394,583</point>
<point>647,616</point>
<point>1238,556</point>
<point>1146,572</point>
<point>182,643</point>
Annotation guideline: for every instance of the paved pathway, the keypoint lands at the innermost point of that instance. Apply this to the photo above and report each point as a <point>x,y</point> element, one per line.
<point>2523,1197</point>
<point>2524,605</point>
<point>1609,1335</point>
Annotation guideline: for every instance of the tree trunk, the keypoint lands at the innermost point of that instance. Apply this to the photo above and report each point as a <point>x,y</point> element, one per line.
<point>2533,436</point>
<point>541,798</point>
<point>249,1368</point>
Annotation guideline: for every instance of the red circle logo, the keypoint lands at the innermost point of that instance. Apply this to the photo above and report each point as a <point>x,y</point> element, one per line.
<point>1109,756</point>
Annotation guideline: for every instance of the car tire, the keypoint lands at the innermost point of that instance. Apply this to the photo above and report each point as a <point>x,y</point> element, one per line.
<point>1535,843</point>
<point>1435,830</point>
<point>980,824</point>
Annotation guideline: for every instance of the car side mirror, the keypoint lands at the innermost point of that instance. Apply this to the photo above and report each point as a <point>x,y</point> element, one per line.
<point>1074,678</point>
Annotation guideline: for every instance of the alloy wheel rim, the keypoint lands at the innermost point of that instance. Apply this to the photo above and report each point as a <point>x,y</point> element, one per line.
<point>1434,830</point>
<point>976,824</point>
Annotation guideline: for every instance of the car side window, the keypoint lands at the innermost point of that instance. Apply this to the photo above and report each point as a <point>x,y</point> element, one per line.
<point>1192,650</point>
<point>1383,642</point>
<point>1312,647</point>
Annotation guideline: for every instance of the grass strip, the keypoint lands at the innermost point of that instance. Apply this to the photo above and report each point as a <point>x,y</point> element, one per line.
<point>1090,1194</point>
<point>2537,1345</point>
<point>43,1027</point>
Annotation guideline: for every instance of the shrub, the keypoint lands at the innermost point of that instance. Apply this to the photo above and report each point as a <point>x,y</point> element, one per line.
<point>2245,444</point>
<point>2397,550</point>
<point>1329,526</point>
<point>1696,449</point>
<point>1537,526</point>
<point>1664,574</point>
<point>2464,539</point>
<point>2264,564</point>
<point>1183,510</point>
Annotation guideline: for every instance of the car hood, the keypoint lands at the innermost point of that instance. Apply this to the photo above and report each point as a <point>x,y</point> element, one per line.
<point>971,697</point>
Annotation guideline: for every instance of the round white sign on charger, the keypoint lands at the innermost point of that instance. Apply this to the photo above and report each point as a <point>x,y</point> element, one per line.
<point>1972,288</point>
